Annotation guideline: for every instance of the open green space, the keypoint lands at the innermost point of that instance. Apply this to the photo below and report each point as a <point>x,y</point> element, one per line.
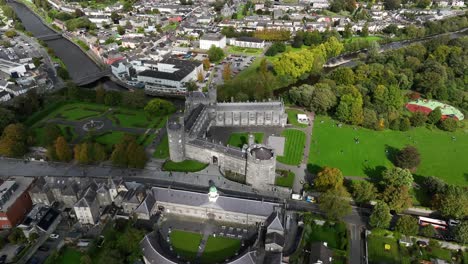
<point>184,166</point>
<point>294,147</point>
<point>162,150</point>
<point>185,243</point>
<point>133,119</point>
<point>170,27</point>
<point>69,256</point>
<point>218,249</point>
<point>240,50</point>
<point>336,147</point>
<point>379,253</point>
<point>292,117</point>
<point>239,139</point>
<point>110,138</point>
<point>78,113</point>
<point>286,179</point>
<point>368,38</point>
<point>39,134</point>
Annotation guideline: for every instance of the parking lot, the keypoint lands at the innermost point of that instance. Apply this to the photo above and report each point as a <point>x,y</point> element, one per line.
<point>238,64</point>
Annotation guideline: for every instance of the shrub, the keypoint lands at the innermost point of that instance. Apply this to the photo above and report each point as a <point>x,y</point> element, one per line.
<point>449,124</point>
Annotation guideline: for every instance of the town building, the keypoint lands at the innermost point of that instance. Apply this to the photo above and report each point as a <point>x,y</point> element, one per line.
<point>4,96</point>
<point>87,208</point>
<point>40,219</point>
<point>320,254</point>
<point>170,76</point>
<point>247,42</point>
<point>15,202</point>
<point>208,40</point>
<point>41,193</point>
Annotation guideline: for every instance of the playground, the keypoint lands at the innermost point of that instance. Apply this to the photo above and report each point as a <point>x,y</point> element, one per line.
<point>426,106</point>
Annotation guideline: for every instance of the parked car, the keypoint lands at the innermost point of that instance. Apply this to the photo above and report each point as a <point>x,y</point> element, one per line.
<point>54,236</point>
<point>422,244</point>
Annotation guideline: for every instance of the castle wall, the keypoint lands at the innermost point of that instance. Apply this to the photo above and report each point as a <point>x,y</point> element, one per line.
<point>250,118</point>
<point>225,162</point>
<point>260,173</point>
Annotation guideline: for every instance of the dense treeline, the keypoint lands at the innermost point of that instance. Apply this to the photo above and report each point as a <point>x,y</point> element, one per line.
<point>372,94</point>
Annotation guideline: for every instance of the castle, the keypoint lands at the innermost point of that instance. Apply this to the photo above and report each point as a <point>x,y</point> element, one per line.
<point>187,134</point>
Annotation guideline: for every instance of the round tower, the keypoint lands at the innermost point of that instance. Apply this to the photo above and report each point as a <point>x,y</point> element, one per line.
<point>176,139</point>
<point>261,166</point>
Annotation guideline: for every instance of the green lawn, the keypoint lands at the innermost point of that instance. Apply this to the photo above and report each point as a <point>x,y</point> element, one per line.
<point>185,243</point>
<point>368,38</point>
<point>292,117</point>
<point>170,26</point>
<point>333,234</point>
<point>109,139</point>
<point>133,119</point>
<point>294,147</point>
<point>287,181</point>
<point>78,113</point>
<point>69,256</point>
<point>184,166</point>
<point>162,150</point>
<point>67,131</point>
<point>247,51</point>
<point>336,147</point>
<point>239,139</point>
<point>219,248</point>
<point>378,254</point>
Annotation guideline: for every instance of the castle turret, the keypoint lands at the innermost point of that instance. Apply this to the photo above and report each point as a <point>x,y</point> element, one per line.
<point>176,138</point>
<point>251,140</point>
<point>261,166</point>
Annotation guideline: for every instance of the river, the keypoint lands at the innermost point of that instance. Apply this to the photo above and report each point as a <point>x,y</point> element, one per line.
<point>78,64</point>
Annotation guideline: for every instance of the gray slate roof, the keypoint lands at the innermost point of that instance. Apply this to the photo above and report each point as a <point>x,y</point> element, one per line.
<point>250,106</point>
<point>229,204</point>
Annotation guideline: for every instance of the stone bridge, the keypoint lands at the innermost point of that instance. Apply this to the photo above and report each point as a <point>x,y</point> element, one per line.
<point>47,37</point>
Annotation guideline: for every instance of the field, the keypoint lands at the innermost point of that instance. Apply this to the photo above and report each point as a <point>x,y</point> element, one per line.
<point>294,147</point>
<point>219,248</point>
<point>292,117</point>
<point>368,38</point>
<point>111,138</point>
<point>185,243</point>
<point>378,253</point>
<point>162,150</point>
<point>184,166</point>
<point>287,181</point>
<point>247,51</point>
<point>239,139</point>
<point>440,153</point>
<point>69,256</point>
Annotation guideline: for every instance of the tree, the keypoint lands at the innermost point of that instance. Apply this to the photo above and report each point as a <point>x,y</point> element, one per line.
<point>100,94</point>
<point>405,124</point>
<point>418,119</point>
<point>120,30</point>
<point>62,150</point>
<point>380,217</point>
<point>365,30</point>
<point>81,153</point>
<point>51,133</point>
<point>434,116</point>
<point>452,203</point>
<point>350,107</point>
<point>127,153</point>
<point>215,54</point>
<point>363,191</point>
<point>348,32</point>
<point>79,13</point>
<point>206,64</point>
<point>334,203</point>
<point>428,231</point>
<point>397,198</point>
<point>461,233</point>
<point>227,72</point>
<point>112,98</point>
<point>11,33</point>
<point>408,158</point>
<point>8,117</point>
<point>159,107</point>
<point>407,225</point>
<point>16,236</point>
<point>13,141</point>
<point>449,124</point>
<point>86,259</point>
<point>392,4</point>
<point>115,16</point>
<point>329,178</point>
<point>136,99</point>
<point>33,237</point>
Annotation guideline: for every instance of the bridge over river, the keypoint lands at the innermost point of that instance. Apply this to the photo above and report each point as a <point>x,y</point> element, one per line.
<point>81,68</point>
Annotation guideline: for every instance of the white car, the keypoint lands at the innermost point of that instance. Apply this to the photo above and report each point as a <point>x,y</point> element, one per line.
<point>54,236</point>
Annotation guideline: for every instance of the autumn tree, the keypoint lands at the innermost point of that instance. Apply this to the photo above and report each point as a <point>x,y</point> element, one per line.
<point>200,76</point>
<point>227,72</point>
<point>407,225</point>
<point>81,153</point>
<point>334,203</point>
<point>380,217</point>
<point>128,153</point>
<point>51,133</point>
<point>62,149</point>
<point>328,178</point>
<point>408,158</point>
<point>13,141</point>
<point>206,64</point>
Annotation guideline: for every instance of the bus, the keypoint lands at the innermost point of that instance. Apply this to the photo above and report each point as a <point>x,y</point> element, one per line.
<point>436,223</point>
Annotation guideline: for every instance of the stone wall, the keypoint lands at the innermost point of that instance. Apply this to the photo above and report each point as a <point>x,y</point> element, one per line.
<point>224,161</point>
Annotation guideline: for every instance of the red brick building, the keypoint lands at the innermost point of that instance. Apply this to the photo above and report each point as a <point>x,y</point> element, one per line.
<point>15,202</point>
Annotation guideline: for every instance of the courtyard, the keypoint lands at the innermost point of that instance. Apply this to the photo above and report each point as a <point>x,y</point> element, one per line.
<point>335,146</point>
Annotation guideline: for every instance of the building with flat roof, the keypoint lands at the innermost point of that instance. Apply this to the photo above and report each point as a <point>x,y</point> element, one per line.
<point>247,42</point>
<point>15,202</point>
<point>208,40</point>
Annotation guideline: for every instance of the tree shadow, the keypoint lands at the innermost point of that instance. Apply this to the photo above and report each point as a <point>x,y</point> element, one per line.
<point>390,153</point>
<point>374,173</point>
<point>313,168</point>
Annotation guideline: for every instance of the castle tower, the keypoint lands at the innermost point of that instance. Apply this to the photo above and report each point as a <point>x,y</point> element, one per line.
<point>213,95</point>
<point>176,138</point>
<point>251,139</point>
<point>261,166</point>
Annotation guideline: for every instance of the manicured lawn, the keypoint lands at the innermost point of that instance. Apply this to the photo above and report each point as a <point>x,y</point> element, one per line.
<point>170,26</point>
<point>133,119</point>
<point>219,248</point>
<point>333,234</point>
<point>292,117</point>
<point>248,51</point>
<point>70,256</point>
<point>185,243</point>
<point>184,166</point>
<point>162,150</point>
<point>440,155</point>
<point>239,139</point>
<point>368,38</point>
<point>109,139</point>
<point>287,181</point>
<point>294,147</point>
<point>79,113</point>
<point>378,253</point>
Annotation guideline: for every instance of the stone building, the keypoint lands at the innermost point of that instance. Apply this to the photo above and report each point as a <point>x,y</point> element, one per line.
<point>187,134</point>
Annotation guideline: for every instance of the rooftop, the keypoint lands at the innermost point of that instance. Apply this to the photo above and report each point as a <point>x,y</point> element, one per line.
<point>262,153</point>
<point>21,183</point>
